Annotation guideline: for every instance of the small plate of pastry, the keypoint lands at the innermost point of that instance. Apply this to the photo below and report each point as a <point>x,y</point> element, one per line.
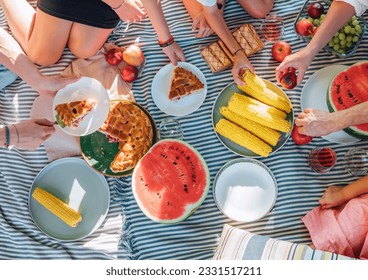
<point>82,107</point>
<point>127,134</point>
<point>179,90</point>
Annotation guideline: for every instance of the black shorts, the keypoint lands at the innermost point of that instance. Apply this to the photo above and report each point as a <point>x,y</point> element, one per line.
<point>90,12</point>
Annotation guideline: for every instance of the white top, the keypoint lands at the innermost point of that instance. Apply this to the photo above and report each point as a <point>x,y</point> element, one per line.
<point>360,6</point>
<point>207,2</point>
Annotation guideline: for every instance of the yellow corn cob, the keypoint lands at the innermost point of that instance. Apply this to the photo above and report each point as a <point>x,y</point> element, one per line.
<point>267,134</point>
<point>261,105</point>
<point>257,88</point>
<point>242,137</point>
<point>253,113</point>
<point>57,207</point>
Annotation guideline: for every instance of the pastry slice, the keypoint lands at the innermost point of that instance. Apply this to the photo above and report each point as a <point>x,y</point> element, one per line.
<point>183,83</point>
<point>72,113</point>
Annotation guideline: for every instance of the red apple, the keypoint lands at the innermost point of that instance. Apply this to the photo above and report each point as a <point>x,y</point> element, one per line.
<point>280,50</point>
<point>129,73</point>
<point>133,55</point>
<point>298,138</point>
<point>114,56</point>
<point>304,27</point>
<point>288,78</point>
<point>315,10</point>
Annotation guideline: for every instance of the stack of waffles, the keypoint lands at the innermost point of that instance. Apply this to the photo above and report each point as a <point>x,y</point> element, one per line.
<point>219,58</point>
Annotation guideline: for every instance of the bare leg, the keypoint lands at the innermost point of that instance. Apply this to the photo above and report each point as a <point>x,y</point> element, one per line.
<point>257,9</point>
<point>20,16</point>
<point>85,41</point>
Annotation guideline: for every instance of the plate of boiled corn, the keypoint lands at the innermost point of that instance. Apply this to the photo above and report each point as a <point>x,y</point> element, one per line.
<point>68,200</point>
<point>254,120</point>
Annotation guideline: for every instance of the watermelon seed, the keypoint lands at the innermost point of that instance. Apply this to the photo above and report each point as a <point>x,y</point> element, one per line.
<point>175,163</point>
<point>188,157</point>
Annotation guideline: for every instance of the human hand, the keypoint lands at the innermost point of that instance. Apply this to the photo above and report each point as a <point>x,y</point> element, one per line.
<point>174,53</point>
<point>49,85</point>
<point>131,11</point>
<point>314,122</point>
<point>32,133</point>
<point>200,23</point>
<point>332,197</point>
<point>299,60</point>
<point>241,63</point>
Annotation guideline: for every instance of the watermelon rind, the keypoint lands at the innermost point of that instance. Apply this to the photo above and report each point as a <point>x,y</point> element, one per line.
<point>190,209</point>
<point>352,130</point>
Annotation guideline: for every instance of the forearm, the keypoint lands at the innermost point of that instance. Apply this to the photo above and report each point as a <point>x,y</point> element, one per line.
<point>338,14</point>
<point>355,115</point>
<point>218,24</point>
<point>13,136</point>
<point>356,188</point>
<point>157,18</point>
<point>13,58</point>
<point>193,7</point>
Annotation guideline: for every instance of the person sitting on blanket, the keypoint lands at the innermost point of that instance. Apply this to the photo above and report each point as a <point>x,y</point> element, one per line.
<point>315,122</point>
<point>27,134</point>
<point>208,17</point>
<point>340,223</point>
<point>82,25</point>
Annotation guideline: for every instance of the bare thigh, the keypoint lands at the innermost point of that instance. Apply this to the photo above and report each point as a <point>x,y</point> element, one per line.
<point>50,35</point>
<point>85,41</point>
<point>48,38</point>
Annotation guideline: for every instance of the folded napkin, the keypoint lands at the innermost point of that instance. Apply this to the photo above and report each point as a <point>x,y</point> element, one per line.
<point>341,230</point>
<point>61,144</point>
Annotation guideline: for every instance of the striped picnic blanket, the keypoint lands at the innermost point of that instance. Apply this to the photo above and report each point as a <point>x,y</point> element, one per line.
<point>127,233</point>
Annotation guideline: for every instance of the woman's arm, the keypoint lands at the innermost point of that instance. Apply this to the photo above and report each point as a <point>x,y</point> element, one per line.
<point>335,196</point>
<point>157,18</point>
<point>338,14</point>
<point>218,24</point>
<point>127,10</point>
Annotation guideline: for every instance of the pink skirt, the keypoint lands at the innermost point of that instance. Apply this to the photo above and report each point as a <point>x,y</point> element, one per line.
<point>341,230</point>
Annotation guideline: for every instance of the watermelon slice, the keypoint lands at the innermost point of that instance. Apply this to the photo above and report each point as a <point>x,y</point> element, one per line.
<point>170,181</point>
<point>347,89</point>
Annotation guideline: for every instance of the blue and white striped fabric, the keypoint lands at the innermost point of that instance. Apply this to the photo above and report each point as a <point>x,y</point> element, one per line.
<point>239,244</point>
<point>196,238</point>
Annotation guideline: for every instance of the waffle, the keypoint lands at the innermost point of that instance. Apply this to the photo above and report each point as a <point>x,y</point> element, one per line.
<point>242,42</point>
<point>216,58</point>
<point>219,58</point>
<point>183,83</point>
<point>72,113</point>
<point>131,127</point>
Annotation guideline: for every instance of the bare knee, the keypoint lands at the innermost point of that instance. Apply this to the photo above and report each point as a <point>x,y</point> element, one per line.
<point>257,9</point>
<point>43,59</point>
<point>82,51</point>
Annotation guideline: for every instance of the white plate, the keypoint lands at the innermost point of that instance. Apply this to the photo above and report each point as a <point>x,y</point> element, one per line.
<point>245,190</point>
<point>83,89</point>
<point>160,91</point>
<point>75,183</point>
<point>314,96</point>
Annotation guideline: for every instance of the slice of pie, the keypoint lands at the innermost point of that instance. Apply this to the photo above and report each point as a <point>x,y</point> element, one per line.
<point>131,127</point>
<point>72,113</point>
<point>183,83</point>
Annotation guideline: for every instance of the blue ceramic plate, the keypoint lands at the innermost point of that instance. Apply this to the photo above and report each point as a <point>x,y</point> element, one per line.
<point>78,185</point>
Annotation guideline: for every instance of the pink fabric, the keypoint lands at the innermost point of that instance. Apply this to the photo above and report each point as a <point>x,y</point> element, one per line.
<point>341,230</point>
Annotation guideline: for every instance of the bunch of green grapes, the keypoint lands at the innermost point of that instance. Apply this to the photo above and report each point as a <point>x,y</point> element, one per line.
<point>346,37</point>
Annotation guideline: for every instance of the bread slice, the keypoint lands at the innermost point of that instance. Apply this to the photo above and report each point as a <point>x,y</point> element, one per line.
<point>183,83</point>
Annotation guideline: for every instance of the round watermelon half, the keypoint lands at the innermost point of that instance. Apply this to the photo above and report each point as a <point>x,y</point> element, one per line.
<point>170,181</point>
<point>347,89</point>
